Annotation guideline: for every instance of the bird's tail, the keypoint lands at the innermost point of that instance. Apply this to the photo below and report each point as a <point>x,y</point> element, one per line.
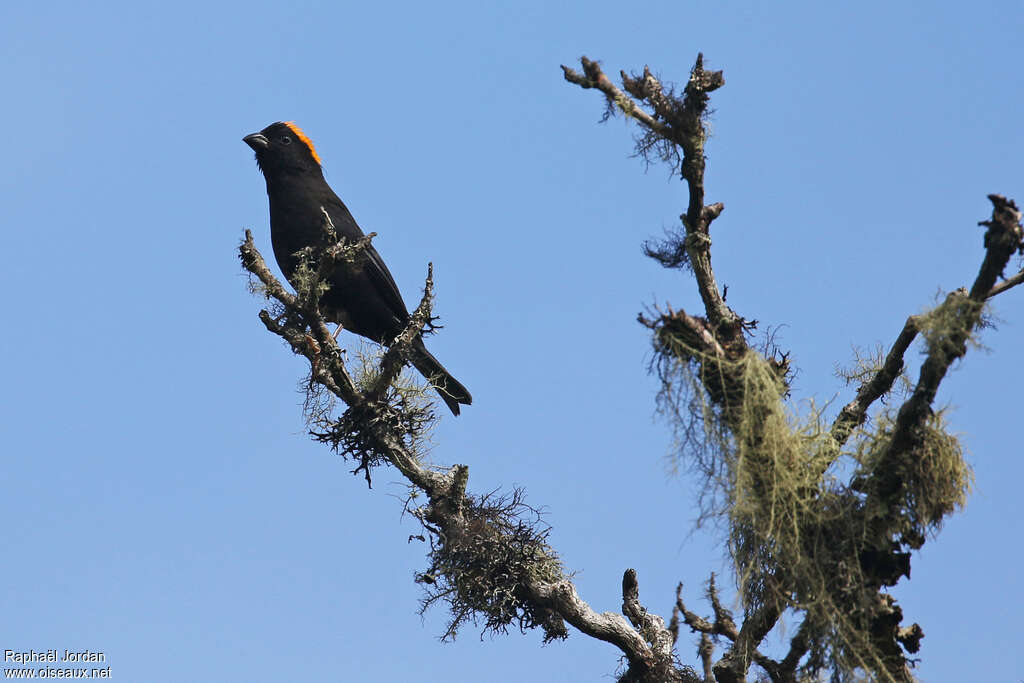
<point>449,388</point>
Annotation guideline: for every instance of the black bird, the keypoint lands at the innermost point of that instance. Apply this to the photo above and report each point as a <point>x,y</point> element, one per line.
<point>363,297</point>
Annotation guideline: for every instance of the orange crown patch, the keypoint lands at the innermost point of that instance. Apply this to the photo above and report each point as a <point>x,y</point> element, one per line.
<point>305,138</point>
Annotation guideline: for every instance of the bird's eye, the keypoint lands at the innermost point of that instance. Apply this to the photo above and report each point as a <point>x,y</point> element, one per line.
<point>286,140</point>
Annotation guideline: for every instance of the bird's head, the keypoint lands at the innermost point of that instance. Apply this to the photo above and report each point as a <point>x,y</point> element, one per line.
<point>282,147</point>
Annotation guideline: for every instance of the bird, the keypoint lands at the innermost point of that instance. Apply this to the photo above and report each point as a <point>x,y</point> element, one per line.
<point>362,297</point>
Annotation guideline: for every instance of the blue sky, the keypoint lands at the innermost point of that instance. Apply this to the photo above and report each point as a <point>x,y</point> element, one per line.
<point>162,501</point>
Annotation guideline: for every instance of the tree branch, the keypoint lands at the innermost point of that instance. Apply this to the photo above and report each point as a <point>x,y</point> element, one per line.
<point>855,412</point>
<point>733,666</point>
<point>679,123</point>
<point>1006,284</point>
<point>891,474</point>
<point>394,358</point>
<point>647,644</point>
<point>1003,237</point>
<point>593,77</point>
<point>467,533</point>
<point>650,626</point>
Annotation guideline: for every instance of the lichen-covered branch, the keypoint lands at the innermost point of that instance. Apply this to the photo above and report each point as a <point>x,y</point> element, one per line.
<point>801,538</point>
<point>957,319</point>
<point>802,541</point>
<point>313,341</point>
<point>899,507</point>
<point>489,560</point>
<point>727,369</point>
<point>1002,239</point>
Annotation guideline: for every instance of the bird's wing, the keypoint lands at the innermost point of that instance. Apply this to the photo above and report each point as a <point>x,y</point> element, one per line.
<point>383,283</point>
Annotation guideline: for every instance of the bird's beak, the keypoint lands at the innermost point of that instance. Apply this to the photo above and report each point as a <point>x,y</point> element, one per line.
<point>257,141</point>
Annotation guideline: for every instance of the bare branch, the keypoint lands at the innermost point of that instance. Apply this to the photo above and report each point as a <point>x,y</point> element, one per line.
<point>693,620</point>
<point>733,666</point>
<point>607,626</point>
<point>1006,284</point>
<point>1003,238</point>
<point>679,123</point>
<point>724,622</point>
<point>646,663</point>
<point>724,625</point>
<point>650,626</point>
